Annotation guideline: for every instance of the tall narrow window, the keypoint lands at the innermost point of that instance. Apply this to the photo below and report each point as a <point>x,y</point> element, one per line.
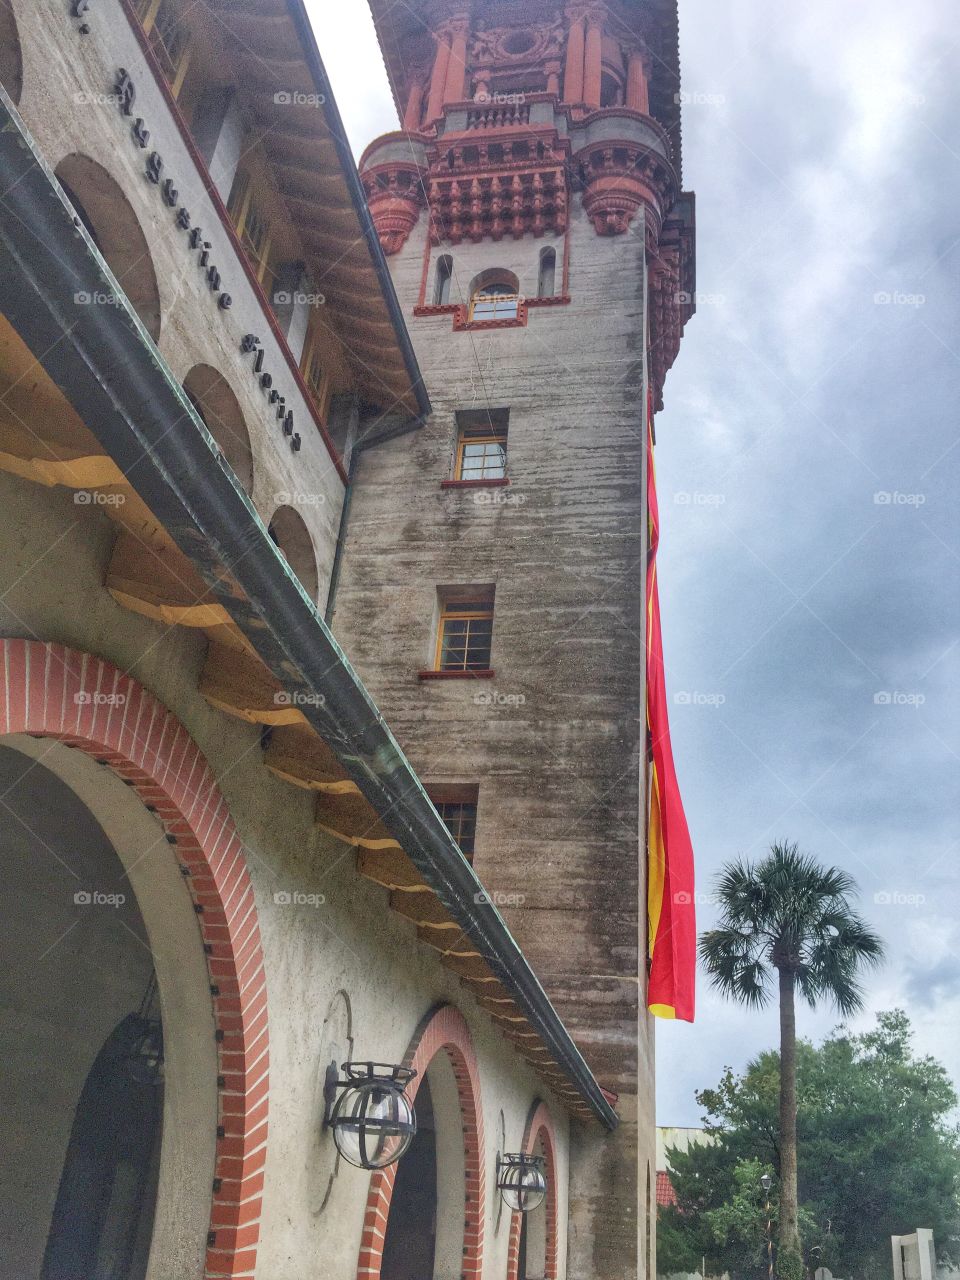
<point>457,805</point>
<point>481,446</point>
<point>169,39</point>
<point>312,366</point>
<point>252,226</point>
<point>546,280</point>
<point>465,632</point>
<point>441,280</point>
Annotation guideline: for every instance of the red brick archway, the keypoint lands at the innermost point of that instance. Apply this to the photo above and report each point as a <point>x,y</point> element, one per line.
<point>51,691</point>
<point>442,1029</point>
<point>539,1128</point>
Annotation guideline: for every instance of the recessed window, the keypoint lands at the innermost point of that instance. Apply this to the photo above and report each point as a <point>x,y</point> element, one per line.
<point>547,275</point>
<point>313,374</point>
<point>481,445</point>
<point>465,631</point>
<point>168,39</point>
<point>495,295</point>
<point>442,278</point>
<point>491,303</point>
<point>457,806</point>
<point>252,226</point>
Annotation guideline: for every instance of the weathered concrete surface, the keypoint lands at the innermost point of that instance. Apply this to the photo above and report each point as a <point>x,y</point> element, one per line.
<point>555,740</point>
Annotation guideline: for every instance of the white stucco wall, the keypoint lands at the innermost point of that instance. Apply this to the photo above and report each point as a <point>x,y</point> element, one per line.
<point>349,952</point>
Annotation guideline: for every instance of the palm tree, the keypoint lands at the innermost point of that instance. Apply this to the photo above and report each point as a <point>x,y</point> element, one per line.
<point>788,915</point>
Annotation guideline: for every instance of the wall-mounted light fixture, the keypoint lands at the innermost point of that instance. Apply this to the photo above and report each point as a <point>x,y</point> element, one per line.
<point>373,1120</point>
<point>521,1181</point>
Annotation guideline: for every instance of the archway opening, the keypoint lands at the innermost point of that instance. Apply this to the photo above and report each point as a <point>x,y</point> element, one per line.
<point>442,279</point>
<point>80,1104</point>
<point>443,1056</point>
<point>533,1233</point>
<point>108,216</point>
<point>533,1251</point>
<point>212,397</point>
<point>425,1226</point>
<point>289,531</point>
<point>11,58</point>
<point>547,273</point>
<point>409,1245</point>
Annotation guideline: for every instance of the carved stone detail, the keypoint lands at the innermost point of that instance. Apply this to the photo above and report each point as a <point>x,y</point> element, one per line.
<point>621,179</point>
<point>395,194</point>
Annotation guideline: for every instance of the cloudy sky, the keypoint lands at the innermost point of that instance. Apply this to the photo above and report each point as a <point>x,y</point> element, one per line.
<point>808,459</point>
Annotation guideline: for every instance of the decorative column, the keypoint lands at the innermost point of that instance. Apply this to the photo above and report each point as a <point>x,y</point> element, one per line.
<point>438,79</point>
<point>638,95</point>
<point>457,62</point>
<point>411,117</point>
<point>573,76</point>
<point>591,61</point>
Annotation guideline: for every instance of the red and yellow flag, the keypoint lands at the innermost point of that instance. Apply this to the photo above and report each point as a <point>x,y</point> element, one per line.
<point>671,915</point>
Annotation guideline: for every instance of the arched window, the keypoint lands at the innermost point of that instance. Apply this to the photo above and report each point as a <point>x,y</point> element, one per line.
<point>289,531</point>
<point>611,91</point>
<point>546,279</point>
<point>113,226</point>
<point>441,280</point>
<point>210,394</point>
<point>495,295</point>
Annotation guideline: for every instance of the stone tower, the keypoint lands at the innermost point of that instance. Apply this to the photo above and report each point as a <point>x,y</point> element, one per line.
<point>492,583</point>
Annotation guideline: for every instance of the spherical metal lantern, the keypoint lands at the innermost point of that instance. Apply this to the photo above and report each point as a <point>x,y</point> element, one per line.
<point>373,1120</point>
<point>521,1181</point>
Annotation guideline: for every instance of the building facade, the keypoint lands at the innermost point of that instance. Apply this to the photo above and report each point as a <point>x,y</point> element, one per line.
<point>266,494</point>
<point>542,251</point>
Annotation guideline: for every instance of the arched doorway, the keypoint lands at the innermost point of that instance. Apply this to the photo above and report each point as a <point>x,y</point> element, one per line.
<point>533,1249</point>
<point>211,396</point>
<point>108,216</point>
<point>434,1208</point>
<point>11,59</point>
<point>289,531</point>
<point>146,784</point>
<point>410,1243</point>
<point>80,1133</point>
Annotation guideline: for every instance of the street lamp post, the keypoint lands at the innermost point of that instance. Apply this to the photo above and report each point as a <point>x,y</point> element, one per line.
<point>767,1182</point>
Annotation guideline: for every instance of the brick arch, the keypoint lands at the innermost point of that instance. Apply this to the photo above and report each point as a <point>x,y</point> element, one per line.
<point>539,1128</point>
<point>49,690</point>
<point>443,1029</point>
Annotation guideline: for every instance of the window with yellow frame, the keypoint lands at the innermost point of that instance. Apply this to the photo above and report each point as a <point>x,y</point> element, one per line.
<point>312,367</point>
<point>465,634</point>
<point>169,39</point>
<point>482,450</point>
<point>252,226</point>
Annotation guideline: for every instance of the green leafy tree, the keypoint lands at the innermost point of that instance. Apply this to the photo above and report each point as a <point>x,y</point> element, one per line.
<point>786,924</point>
<point>878,1155</point>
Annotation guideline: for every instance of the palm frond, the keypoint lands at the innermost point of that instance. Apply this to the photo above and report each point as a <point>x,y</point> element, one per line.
<point>788,911</point>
